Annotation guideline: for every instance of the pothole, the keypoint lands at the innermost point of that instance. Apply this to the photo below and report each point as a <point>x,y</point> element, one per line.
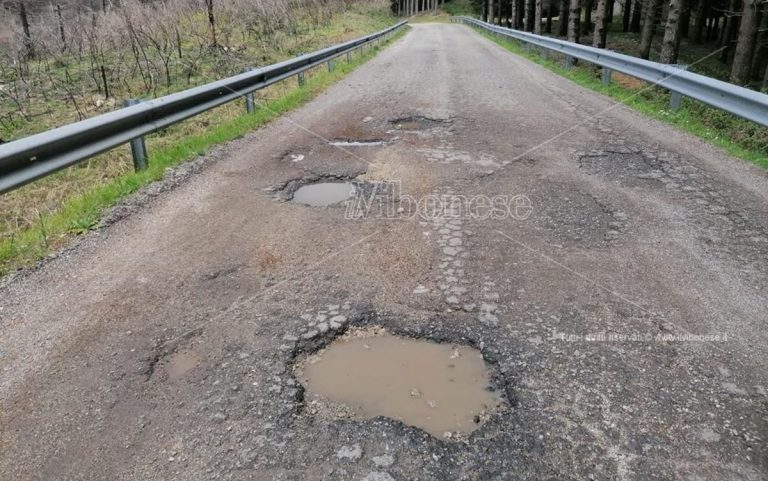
<point>323,193</point>
<point>357,143</point>
<point>444,389</point>
<point>418,122</point>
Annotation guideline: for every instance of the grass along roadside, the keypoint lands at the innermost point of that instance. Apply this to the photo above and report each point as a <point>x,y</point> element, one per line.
<point>82,212</point>
<point>740,138</point>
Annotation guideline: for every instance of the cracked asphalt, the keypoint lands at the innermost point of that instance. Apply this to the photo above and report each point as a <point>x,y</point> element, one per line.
<point>624,317</point>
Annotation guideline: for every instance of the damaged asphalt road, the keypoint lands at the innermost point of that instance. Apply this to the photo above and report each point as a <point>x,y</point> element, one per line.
<point>163,345</point>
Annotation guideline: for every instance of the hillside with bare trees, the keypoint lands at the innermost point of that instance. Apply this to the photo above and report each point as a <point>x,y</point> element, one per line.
<point>62,62</point>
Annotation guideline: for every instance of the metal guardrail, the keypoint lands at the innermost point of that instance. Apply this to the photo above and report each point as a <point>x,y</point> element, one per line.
<point>739,101</point>
<point>36,156</point>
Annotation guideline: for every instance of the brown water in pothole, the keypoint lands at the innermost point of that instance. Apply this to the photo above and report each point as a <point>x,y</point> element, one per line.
<point>323,193</point>
<point>180,363</point>
<point>439,388</point>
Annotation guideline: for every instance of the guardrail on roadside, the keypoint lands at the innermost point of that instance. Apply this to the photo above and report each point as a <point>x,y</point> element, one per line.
<point>36,156</point>
<point>739,101</point>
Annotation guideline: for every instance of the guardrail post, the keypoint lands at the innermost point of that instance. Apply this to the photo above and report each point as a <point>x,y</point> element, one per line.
<point>607,76</point>
<point>250,102</point>
<point>568,62</point>
<point>138,146</point>
<point>330,65</point>
<point>676,98</point>
<point>349,56</point>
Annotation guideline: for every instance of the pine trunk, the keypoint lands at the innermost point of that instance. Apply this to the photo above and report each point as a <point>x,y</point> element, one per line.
<point>685,19</point>
<point>649,23</point>
<point>537,17</point>
<point>601,21</point>
<point>562,23</point>
<point>745,46</point>
<point>761,48</point>
<point>549,17</point>
<point>627,16</point>
<point>587,24</point>
<point>637,16</point>
<point>670,44</point>
<point>574,14</point>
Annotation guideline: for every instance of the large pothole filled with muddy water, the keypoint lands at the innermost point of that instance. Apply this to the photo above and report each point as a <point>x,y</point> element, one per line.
<point>444,389</point>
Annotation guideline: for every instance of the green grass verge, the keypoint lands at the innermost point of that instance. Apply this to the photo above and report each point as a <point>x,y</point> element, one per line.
<point>82,213</point>
<point>740,138</point>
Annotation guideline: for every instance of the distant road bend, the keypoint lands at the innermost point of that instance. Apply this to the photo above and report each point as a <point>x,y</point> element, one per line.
<point>623,315</point>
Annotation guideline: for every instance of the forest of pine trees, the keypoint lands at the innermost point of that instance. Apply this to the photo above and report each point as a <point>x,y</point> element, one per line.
<point>736,30</point>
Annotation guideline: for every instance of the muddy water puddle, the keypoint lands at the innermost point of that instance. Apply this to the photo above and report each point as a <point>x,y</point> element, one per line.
<point>323,193</point>
<point>440,388</point>
<point>181,363</point>
<point>357,143</point>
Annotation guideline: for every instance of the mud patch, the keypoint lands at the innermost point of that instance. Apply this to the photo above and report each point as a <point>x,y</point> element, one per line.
<point>443,389</point>
<point>323,193</point>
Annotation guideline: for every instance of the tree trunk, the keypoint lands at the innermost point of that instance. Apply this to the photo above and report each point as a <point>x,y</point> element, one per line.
<point>587,24</point>
<point>761,48</point>
<point>549,17</point>
<point>685,19</point>
<point>637,16</point>
<point>528,15</point>
<point>574,15</point>
<point>520,13</point>
<point>627,16</point>
<point>601,21</point>
<point>742,58</point>
<point>562,23</point>
<point>730,24</point>
<point>513,14</point>
<point>29,45</point>
<point>701,20</point>
<point>490,11</point>
<point>765,78</point>
<point>670,45</point>
<point>649,23</point>
<point>537,18</point>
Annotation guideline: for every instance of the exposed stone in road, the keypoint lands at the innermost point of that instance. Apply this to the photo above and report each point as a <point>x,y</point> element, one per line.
<point>624,315</point>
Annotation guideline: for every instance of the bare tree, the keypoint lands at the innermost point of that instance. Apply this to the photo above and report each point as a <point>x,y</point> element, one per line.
<point>211,22</point>
<point>29,45</point>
